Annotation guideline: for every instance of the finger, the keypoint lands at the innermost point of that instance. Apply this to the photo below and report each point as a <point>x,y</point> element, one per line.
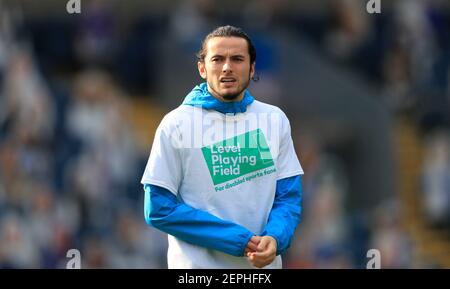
<point>260,256</point>
<point>263,244</point>
<point>255,239</point>
<point>254,261</point>
<point>253,243</point>
<point>259,262</point>
<point>269,253</point>
<point>251,246</point>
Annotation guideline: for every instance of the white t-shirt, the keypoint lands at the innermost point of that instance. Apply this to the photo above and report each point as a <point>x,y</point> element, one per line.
<point>227,165</point>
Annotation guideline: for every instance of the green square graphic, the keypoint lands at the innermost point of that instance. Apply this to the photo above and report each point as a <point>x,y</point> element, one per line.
<point>237,156</point>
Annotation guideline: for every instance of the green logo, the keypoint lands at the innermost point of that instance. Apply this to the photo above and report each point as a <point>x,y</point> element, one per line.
<point>237,156</point>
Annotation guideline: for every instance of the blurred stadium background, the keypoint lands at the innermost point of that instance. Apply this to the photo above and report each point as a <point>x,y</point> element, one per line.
<point>368,97</point>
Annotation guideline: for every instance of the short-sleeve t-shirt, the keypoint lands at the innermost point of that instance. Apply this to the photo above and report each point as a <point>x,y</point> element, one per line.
<point>226,165</point>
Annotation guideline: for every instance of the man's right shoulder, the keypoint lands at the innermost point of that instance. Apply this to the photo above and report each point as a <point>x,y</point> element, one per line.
<point>176,115</point>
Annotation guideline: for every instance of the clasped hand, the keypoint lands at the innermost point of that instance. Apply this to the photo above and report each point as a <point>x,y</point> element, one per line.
<point>261,250</point>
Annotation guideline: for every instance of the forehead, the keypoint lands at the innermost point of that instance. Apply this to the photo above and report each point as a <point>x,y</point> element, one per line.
<point>227,45</point>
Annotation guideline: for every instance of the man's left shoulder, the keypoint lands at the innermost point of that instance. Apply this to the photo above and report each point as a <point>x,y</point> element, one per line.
<point>259,106</point>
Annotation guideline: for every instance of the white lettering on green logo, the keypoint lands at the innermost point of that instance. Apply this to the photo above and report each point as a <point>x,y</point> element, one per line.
<point>237,156</point>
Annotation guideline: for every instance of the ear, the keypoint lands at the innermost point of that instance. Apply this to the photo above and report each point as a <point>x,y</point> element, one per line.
<point>252,69</point>
<point>201,69</point>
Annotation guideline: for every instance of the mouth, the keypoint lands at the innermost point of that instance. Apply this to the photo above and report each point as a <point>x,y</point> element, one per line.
<point>227,80</point>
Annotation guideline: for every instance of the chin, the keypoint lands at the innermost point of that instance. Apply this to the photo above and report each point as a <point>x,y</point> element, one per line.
<point>230,96</point>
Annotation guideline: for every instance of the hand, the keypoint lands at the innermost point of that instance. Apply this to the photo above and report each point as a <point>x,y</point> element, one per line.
<point>265,252</point>
<point>252,245</point>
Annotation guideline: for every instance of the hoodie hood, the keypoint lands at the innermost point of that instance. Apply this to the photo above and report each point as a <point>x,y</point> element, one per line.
<point>200,96</point>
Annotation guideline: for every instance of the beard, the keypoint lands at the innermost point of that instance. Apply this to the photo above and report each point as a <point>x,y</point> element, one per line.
<point>233,95</point>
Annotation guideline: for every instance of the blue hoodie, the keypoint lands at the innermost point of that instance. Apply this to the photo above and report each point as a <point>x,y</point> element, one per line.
<point>200,96</point>
<point>164,211</point>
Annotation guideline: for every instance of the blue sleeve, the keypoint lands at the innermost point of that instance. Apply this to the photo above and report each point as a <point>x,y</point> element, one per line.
<point>165,212</point>
<point>286,211</point>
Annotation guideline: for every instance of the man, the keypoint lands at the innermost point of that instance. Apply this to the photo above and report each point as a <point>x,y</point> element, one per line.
<point>223,179</point>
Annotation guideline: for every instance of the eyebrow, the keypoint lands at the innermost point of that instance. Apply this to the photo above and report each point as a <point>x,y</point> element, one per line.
<point>232,56</point>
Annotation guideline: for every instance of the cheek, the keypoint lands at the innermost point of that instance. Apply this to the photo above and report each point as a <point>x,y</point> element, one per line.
<point>211,71</point>
<point>246,71</point>
<point>216,70</point>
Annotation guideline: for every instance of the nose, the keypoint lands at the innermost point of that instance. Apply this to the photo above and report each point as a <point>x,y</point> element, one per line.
<point>226,66</point>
